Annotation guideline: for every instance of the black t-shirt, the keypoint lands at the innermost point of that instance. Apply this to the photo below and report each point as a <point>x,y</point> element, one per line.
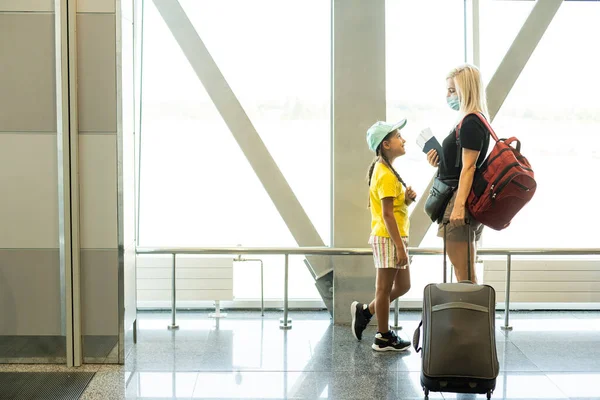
<point>473,135</point>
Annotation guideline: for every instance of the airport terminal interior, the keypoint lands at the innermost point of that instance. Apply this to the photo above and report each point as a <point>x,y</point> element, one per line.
<point>185,211</point>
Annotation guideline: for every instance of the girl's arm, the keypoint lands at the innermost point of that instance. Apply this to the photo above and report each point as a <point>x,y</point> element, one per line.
<point>387,205</point>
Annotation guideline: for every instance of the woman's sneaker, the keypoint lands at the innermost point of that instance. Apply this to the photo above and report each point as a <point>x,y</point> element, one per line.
<point>389,342</point>
<point>360,319</point>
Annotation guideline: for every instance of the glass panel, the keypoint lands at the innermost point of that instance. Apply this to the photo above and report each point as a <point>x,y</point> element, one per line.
<point>280,72</point>
<point>499,24</point>
<point>416,74</point>
<point>197,187</point>
<point>554,110</point>
<point>421,48</point>
<point>32,303</point>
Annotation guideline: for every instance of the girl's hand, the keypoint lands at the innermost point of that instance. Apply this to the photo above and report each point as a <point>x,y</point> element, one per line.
<point>410,195</point>
<point>433,158</point>
<point>401,256</point>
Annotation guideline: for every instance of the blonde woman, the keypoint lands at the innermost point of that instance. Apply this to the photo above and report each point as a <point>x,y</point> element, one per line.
<point>459,160</point>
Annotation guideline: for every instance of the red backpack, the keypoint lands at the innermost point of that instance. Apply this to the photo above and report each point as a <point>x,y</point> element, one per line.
<point>502,185</point>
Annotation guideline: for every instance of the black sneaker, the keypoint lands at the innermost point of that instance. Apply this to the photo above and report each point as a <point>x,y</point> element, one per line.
<point>389,342</point>
<point>359,319</point>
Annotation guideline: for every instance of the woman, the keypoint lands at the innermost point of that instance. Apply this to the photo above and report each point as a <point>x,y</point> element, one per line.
<point>459,160</point>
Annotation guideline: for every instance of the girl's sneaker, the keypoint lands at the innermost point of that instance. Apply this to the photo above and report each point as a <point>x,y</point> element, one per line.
<point>389,341</point>
<point>360,320</point>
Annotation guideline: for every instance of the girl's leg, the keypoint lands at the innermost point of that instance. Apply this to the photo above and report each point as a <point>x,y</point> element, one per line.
<point>400,287</point>
<point>383,289</point>
<point>401,284</point>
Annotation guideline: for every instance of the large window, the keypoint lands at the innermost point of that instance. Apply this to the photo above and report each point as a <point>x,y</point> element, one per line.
<point>197,187</point>
<point>554,109</point>
<point>424,41</point>
<point>499,24</point>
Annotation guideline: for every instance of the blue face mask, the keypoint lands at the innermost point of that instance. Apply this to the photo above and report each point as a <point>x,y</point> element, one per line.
<point>453,102</point>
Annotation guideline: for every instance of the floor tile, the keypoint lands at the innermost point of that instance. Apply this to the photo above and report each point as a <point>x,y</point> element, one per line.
<point>108,383</point>
<point>565,355</point>
<point>511,359</point>
<point>517,386</point>
<point>578,385</point>
<point>244,384</point>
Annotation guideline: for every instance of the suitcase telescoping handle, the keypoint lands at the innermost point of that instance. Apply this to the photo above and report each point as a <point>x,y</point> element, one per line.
<point>417,335</point>
<point>467,222</point>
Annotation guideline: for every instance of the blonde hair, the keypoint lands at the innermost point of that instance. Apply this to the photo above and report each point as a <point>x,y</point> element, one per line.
<point>469,86</point>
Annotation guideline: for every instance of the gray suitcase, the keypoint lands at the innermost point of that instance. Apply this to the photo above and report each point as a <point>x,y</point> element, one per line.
<point>459,342</point>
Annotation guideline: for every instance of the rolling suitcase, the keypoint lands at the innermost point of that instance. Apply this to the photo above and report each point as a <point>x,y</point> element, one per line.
<point>459,344</point>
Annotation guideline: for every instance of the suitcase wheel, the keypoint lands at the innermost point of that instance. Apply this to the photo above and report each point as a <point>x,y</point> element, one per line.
<point>426,393</point>
<point>489,394</point>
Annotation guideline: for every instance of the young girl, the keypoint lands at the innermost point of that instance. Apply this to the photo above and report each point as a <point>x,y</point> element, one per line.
<point>389,203</point>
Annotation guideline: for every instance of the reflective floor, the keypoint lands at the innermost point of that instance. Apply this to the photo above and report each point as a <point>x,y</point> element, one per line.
<point>548,355</point>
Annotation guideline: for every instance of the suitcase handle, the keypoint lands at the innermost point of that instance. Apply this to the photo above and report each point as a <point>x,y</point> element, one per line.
<point>469,278</point>
<point>417,337</point>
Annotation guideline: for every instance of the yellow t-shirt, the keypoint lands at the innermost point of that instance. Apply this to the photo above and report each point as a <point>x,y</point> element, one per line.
<point>385,184</point>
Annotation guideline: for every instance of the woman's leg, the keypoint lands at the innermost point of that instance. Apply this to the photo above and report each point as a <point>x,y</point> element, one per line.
<point>457,251</point>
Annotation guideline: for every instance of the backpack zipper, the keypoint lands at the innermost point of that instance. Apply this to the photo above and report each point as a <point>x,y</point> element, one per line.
<point>506,182</point>
<point>505,170</point>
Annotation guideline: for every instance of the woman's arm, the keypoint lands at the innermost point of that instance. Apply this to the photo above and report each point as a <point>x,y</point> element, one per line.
<point>469,159</point>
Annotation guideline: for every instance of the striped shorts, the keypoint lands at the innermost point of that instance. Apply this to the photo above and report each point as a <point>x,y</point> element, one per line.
<point>384,252</point>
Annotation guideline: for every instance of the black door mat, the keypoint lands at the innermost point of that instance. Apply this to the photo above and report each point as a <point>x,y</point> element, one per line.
<point>43,385</point>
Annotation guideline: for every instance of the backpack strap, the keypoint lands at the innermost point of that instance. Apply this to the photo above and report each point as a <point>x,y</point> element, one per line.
<point>485,122</point>
<point>457,134</point>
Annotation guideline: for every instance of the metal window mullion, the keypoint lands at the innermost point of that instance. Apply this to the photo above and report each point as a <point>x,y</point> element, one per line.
<point>472,37</point>
<point>74,143</point>
<point>64,198</point>
<point>120,184</point>
<point>68,186</point>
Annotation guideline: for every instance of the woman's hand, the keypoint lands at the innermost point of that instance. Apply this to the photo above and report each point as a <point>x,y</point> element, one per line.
<point>457,218</point>
<point>433,158</point>
<point>410,195</point>
<point>401,256</point>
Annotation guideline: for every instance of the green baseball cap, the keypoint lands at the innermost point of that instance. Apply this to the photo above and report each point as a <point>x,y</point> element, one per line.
<point>379,130</point>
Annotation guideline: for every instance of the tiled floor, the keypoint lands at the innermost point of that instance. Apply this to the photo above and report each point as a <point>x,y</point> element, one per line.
<point>551,355</point>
